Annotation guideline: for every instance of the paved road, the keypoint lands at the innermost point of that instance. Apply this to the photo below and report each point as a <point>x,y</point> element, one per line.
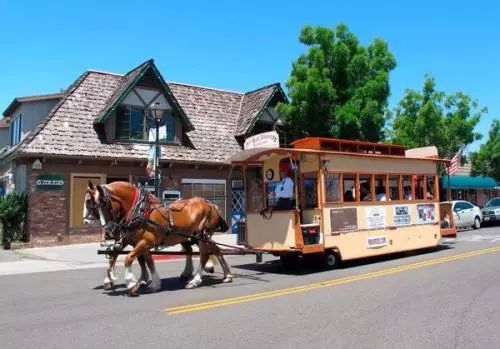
<point>446,298</point>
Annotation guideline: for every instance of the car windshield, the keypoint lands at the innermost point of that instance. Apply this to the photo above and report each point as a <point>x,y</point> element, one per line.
<point>493,202</point>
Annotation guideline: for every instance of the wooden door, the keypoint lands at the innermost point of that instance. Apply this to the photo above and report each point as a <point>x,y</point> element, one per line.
<point>78,189</point>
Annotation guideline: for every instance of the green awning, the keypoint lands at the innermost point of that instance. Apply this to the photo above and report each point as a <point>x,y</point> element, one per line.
<point>467,182</point>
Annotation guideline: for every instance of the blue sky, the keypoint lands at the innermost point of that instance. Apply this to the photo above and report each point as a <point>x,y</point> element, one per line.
<point>242,45</point>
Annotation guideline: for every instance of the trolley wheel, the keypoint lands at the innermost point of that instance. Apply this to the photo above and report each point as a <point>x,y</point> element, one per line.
<point>477,223</point>
<point>289,261</point>
<point>331,259</point>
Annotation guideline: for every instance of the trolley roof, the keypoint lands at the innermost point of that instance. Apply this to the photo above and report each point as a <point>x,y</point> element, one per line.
<point>324,146</point>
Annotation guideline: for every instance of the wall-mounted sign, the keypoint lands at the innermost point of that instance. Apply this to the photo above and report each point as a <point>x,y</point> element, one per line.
<point>375,217</point>
<point>263,140</point>
<point>402,215</point>
<point>343,219</point>
<point>49,182</point>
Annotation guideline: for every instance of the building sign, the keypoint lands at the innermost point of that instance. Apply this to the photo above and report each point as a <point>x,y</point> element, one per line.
<point>263,140</point>
<point>343,219</point>
<point>375,217</point>
<point>402,216</point>
<point>49,182</point>
<point>426,214</point>
<point>376,241</point>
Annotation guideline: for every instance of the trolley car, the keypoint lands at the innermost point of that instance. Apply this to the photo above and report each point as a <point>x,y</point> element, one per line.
<point>351,199</point>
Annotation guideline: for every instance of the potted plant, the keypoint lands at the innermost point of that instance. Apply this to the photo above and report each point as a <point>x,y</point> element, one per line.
<point>13,210</point>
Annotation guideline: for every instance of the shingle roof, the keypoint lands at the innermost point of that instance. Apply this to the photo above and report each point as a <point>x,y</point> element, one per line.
<point>252,104</point>
<point>69,130</point>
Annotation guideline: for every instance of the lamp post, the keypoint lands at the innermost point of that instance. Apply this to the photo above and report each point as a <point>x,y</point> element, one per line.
<point>155,113</point>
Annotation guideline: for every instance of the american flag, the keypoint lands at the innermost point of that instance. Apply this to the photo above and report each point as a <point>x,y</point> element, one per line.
<point>455,162</point>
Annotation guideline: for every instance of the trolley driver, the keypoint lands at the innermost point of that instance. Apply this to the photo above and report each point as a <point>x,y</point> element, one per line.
<point>284,189</point>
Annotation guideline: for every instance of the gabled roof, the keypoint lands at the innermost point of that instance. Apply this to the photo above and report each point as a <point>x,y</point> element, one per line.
<point>253,103</point>
<point>4,122</point>
<point>129,81</point>
<point>69,128</point>
<point>17,101</point>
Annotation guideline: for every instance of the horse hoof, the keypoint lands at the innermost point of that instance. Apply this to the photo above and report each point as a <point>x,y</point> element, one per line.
<point>191,286</point>
<point>228,279</point>
<point>210,270</point>
<point>134,291</point>
<point>184,278</point>
<point>108,285</point>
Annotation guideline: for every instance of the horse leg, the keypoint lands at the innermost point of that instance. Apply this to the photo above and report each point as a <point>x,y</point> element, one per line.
<point>188,269</point>
<point>155,285</point>
<point>110,277</point>
<point>204,254</point>
<point>142,248</point>
<point>144,279</point>
<point>228,277</point>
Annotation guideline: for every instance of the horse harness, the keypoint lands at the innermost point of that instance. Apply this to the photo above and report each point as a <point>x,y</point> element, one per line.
<point>138,217</point>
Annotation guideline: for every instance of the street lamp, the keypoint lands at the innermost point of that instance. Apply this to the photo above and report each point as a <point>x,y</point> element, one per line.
<point>155,113</point>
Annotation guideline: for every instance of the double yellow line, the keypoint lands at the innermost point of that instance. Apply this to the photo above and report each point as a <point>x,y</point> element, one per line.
<point>286,291</point>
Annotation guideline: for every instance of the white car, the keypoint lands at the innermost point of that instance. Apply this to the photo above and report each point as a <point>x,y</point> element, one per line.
<point>466,214</point>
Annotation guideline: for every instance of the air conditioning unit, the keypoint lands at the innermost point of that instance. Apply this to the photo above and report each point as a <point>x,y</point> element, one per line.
<point>170,195</point>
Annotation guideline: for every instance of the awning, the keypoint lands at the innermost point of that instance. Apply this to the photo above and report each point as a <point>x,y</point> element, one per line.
<point>468,182</point>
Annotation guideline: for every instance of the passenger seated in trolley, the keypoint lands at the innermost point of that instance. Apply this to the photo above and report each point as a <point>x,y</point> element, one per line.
<point>284,189</point>
<point>365,192</point>
<point>348,196</point>
<point>380,195</point>
<point>407,193</point>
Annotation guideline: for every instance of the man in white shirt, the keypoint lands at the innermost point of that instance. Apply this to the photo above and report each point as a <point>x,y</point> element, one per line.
<point>284,190</point>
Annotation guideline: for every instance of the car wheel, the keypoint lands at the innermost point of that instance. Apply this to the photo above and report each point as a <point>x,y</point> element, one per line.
<point>477,223</point>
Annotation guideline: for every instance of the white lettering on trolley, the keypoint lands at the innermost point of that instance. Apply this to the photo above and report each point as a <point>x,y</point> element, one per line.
<point>376,241</point>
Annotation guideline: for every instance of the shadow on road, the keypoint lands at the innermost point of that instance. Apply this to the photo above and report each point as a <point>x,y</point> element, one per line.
<point>314,264</point>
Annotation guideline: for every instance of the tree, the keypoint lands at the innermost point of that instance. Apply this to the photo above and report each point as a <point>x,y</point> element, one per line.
<point>487,160</point>
<point>431,117</point>
<point>339,88</point>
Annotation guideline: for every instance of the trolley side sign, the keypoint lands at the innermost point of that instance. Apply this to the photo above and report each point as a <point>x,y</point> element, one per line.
<point>49,182</point>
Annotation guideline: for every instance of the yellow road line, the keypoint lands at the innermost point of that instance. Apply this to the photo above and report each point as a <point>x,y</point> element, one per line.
<point>276,293</point>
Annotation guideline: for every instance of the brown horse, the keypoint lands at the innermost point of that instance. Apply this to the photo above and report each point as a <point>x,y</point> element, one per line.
<point>153,225</point>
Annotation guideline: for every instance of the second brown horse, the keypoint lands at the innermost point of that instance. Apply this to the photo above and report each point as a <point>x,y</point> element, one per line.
<point>182,220</point>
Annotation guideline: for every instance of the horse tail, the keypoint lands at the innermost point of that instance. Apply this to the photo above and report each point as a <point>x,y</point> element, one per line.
<point>222,224</point>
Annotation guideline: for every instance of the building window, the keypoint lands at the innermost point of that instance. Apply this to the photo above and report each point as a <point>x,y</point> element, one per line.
<point>214,190</point>
<point>169,121</point>
<point>130,123</point>
<point>15,130</point>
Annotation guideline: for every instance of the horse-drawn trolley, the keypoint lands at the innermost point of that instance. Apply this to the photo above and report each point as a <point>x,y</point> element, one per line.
<point>349,199</point>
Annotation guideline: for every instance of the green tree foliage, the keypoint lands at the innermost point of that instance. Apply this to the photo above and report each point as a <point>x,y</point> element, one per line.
<point>13,211</point>
<point>431,117</point>
<point>339,88</point>
<point>487,160</point>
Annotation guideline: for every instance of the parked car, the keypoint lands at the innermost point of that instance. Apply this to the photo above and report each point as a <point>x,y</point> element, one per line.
<point>466,214</point>
<point>491,211</point>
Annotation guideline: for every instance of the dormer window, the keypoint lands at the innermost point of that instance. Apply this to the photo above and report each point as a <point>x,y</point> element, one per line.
<point>130,123</point>
<point>169,120</point>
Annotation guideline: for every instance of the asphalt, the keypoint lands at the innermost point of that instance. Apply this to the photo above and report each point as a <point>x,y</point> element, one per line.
<point>70,257</point>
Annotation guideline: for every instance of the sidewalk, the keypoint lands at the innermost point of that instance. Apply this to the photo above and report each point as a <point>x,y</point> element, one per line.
<point>70,257</point>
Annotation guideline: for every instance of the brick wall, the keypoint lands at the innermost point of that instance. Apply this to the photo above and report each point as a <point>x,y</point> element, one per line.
<point>47,212</point>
